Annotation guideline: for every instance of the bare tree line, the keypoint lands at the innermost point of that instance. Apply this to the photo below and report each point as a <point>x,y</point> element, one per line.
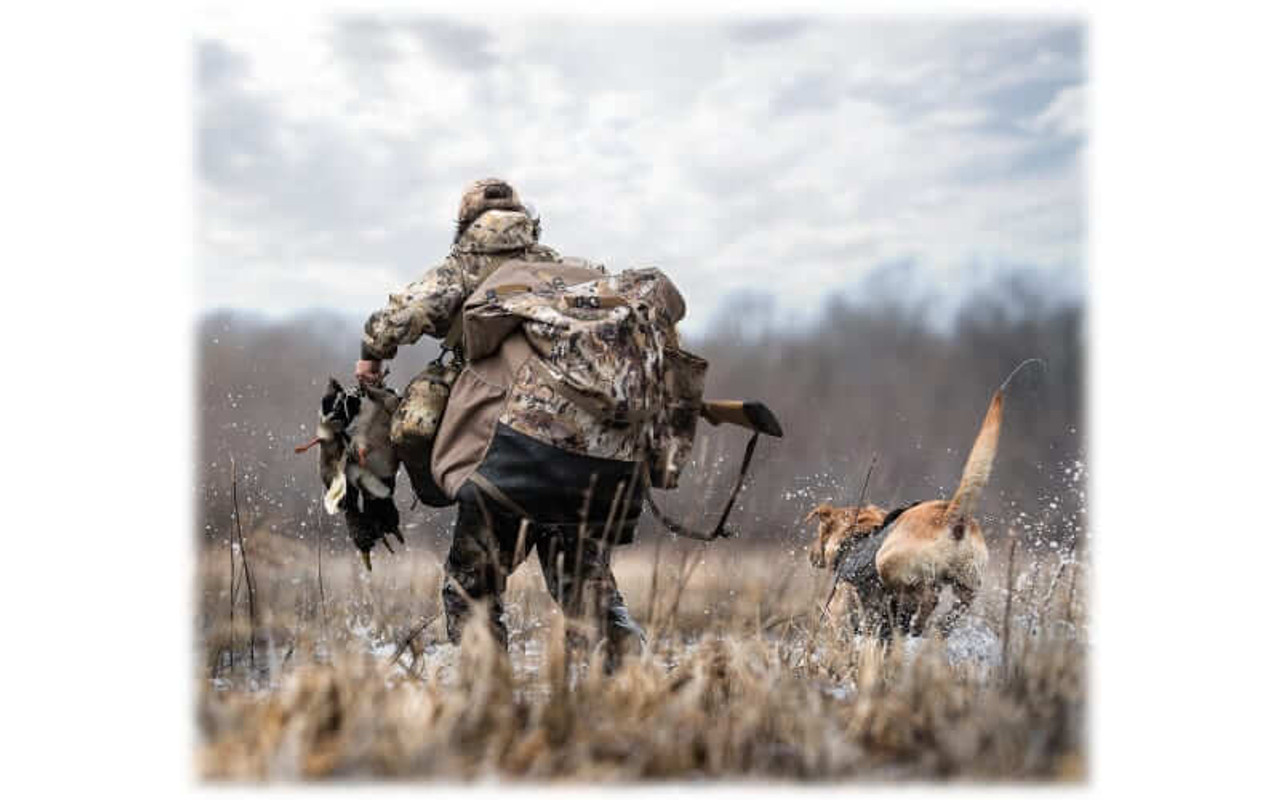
<point>877,377</point>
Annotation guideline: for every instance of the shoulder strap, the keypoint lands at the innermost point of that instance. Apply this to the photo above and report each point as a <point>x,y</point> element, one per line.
<point>454,337</point>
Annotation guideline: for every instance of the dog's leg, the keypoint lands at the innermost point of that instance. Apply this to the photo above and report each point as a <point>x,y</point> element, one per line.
<point>905,604</point>
<point>855,610</point>
<point>897,604</point>
<point>964,598</point>
<point>927,603</point>
<point>886,608</point>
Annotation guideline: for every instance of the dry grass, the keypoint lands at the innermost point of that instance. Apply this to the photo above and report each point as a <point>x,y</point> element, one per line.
<point>744,676</point>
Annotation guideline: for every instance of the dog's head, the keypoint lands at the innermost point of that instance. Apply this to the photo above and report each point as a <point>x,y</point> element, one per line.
<point>836,525</point>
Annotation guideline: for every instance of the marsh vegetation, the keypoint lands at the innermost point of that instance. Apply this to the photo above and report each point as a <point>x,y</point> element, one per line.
<point>310,668</point>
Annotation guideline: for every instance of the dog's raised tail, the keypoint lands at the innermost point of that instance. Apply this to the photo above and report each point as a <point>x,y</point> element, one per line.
<point>977,469</point>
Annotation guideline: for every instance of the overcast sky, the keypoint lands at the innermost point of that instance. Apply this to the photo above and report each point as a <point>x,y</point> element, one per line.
<point>785,155</point>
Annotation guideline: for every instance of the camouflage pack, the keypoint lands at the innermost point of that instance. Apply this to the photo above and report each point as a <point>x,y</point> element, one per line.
<point>596,369</point>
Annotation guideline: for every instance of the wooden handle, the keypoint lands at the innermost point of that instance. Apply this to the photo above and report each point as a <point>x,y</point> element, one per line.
<point>750,414</point>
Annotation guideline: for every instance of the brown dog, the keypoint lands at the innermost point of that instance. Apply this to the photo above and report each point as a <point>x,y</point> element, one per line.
<point>898,563</point>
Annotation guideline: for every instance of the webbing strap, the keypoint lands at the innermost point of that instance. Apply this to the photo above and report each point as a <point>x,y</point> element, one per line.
<point>508,289</point>
<point>719,531</point>
<point>454,336</point>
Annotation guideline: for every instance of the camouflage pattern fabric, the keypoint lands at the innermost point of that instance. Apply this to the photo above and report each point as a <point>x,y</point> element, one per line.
<point>674,428</point>
<point>599,385</point>
<point>428,305</point>
<point>485,195</point>
<point>416,420</point>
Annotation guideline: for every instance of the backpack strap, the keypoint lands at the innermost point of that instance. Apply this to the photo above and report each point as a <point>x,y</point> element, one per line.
<point>453,338</point>
<point>719,531</point>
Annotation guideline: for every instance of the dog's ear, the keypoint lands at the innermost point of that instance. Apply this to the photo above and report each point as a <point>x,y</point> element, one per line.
<point>822,511</point>
<point>869,516</point>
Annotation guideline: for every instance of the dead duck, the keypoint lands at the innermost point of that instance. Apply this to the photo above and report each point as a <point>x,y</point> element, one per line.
<point>358,463</point>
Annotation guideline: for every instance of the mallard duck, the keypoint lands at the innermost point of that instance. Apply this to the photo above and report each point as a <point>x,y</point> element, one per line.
<point>358,463</point>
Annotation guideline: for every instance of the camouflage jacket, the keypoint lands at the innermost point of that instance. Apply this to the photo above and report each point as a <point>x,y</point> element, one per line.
<point>429,305</point>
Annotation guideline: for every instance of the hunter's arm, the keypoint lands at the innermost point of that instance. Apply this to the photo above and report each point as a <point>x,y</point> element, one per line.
<point>425,306</point>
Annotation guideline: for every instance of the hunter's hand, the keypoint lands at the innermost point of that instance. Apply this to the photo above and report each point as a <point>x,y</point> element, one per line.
<point>368,373</point>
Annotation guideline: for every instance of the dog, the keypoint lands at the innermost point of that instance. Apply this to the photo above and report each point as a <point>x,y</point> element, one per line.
<point>358,463</point>
<point>897,563</point>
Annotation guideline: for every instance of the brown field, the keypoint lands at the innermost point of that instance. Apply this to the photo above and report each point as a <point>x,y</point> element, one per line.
<point>744,675</point>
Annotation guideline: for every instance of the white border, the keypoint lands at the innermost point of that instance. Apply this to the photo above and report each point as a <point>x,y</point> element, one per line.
<point>96,159</point>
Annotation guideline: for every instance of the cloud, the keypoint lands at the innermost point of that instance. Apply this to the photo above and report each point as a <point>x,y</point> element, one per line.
<point>767,30</point>
<point>375,41</point>
<point>217,65</point>
<point>775,155</point>
<point>452,44</point>
<point>1064,116</point>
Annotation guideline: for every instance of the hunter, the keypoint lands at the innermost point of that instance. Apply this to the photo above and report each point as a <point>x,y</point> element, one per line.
<point>557,420</point>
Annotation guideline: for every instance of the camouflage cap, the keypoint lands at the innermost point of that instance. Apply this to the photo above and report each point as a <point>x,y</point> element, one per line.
<point>484,195</point>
